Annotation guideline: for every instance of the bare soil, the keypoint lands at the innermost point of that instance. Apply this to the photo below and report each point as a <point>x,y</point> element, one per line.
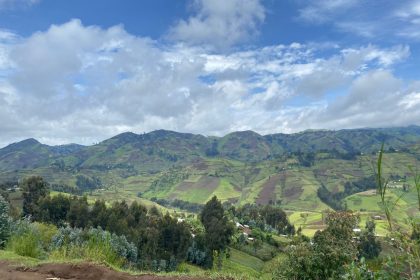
<point>85,271</point>
<point>267,193</point>
<point>292,193</point>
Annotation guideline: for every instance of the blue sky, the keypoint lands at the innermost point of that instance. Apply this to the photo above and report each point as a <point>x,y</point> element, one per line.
<point>82,71</point>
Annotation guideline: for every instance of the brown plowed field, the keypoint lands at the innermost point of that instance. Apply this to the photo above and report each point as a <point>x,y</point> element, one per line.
<point>267,193</point>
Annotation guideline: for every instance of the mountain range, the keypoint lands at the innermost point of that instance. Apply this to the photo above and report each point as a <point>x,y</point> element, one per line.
<point>313,170</point>
<point>161,149</point>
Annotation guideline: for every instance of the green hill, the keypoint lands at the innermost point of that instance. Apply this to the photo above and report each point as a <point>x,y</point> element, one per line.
<point>241,167</point>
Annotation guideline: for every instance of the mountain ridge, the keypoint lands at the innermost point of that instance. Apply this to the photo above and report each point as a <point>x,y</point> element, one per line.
<point>161,149</point>
<point>164,131</point>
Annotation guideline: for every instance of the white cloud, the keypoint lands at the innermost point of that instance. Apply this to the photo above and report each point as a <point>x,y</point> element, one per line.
<point>375,99</point>
<point>75,83</point>
<point>409,17</point>
<point>322,11</point>
<point>15,4</point>
<point>410,10</point>
<point>219,23</point>
<point>382,19</point>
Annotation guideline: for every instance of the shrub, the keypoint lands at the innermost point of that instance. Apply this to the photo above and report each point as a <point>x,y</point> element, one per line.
<point>46,232</point>
<point>117,244</point>
<point>4,221</point>
<point>66,236</point>
<point>94,244</point>
<point>25,239</point>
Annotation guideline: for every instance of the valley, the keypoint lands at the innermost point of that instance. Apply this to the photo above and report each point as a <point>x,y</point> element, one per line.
<point>308,175</point>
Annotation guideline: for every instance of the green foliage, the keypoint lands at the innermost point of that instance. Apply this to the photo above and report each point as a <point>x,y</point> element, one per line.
<point>33,189</point>
<point>198,254</point>
<point>177,203</point>
<point>25,239</point>
<point>46,233</point>
<point>4,221</point>
<point>404,262</point>
<point>218,229</point>
<point>416,175</point>
<point>267,218</point>
<point>382,189</point>
<point>369,247</point>
<point>335,200</point>
<point>86,183</point>
<point>154,236</point>
<point>93,244</point>
<point>78,212</point>
<point>358,271</point>
<point>54,209</point>
<point>327,256</point>
<point>168,179</point>
<point>174,239</point>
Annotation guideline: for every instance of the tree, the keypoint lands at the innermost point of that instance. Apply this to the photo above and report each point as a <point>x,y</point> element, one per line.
<point>78,214</point>
<point>276,218</point>
<point>4,221</point>
<point>33,189</point>
<point>369,247</point>
<point>117,218</point>
<point>86,183</point>
<point>99,214</point>
<point>54,209</point>
<point>174,238</point>
<point>218,229</point>
<point>331,250</point>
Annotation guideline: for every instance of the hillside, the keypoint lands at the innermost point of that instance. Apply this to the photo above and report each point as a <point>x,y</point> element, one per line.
<point>307,174</point>
<point>241,167</point>
<point>160,149</point>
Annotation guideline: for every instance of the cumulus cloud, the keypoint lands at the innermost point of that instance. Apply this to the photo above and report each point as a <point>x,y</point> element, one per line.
<point>76,83</point>
<point>376,98</point>
<point>219,23</point>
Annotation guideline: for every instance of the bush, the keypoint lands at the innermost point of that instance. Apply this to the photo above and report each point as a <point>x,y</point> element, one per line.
<point>4,221</point>
<point>94,244</point>
<point>116,244</point>
<point>46,232</point>
<point>25,239</point>
<point>67,236</point>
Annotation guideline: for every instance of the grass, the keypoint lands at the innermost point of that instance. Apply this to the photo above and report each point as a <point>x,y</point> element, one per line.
<point>231,268</point>
<point>196,195</point>
<point>246,259</point>
<point>270,266</point>
<point>310,222</point>
<point>10,256</point>
<point>225,190</point>
<point>27,244</point>
<point>241,263</point>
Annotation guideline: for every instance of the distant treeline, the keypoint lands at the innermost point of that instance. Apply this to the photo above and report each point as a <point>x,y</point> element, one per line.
<point>335,200</point>
<point>66,189</point>
<point>267,218</point>
<point>177,203</point>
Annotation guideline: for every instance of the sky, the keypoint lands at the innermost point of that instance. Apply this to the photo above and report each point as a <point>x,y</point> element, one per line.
<point>83,71</point>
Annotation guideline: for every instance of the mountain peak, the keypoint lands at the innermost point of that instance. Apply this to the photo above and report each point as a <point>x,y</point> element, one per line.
<point>26,143</point>
<point>245,133</point>
<point>123,138</point>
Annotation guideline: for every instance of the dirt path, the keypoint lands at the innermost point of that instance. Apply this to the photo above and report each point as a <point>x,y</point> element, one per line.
<point>9,271</point>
